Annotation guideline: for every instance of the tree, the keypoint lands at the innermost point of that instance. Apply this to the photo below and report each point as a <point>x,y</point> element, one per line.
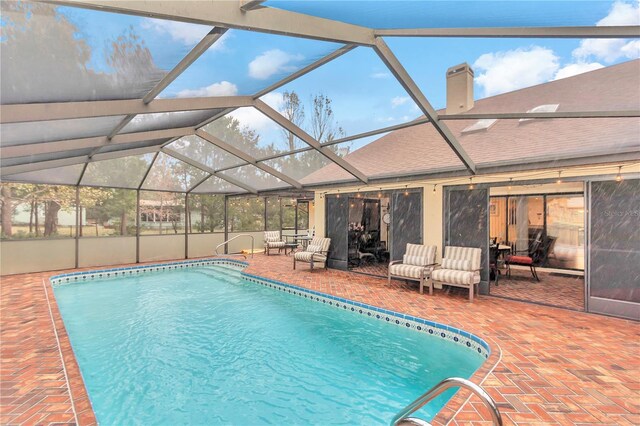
<point>45,58</point>
<point>323,125</point>
<point>104,204</point>
<point>53,197</point>
<point>210,209</point>
<point>293,111</point>
<point>7,209</point>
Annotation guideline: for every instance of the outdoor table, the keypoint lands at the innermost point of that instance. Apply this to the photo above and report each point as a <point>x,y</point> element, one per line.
<point>291,247</point>
<point>303,240</point>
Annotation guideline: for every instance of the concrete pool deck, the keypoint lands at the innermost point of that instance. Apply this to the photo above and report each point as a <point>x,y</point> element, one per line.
<point>553,366</point>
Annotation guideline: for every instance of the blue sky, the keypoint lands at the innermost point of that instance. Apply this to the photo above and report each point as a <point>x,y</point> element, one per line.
<point>365,96</point>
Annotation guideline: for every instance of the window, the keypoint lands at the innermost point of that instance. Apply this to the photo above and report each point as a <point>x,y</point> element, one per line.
<point>37,211</point>
<point>106,212</point>
<point>161,213</point>
<point>206,213</point>
<point>483,124</point>
<point>541,108</point>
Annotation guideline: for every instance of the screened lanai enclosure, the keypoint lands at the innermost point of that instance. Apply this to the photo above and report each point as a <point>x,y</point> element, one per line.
<point>209,97</point>
<point>200,120</point>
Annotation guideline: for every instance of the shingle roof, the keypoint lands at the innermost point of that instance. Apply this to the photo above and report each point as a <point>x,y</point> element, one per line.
<point>420,149</point>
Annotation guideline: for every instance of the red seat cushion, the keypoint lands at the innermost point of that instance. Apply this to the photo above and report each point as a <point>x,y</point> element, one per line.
<point>521,260</point>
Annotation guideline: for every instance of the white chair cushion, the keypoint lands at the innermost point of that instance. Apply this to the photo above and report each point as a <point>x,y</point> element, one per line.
<point>322,242</point>
<point>402,270</point>
<point>415,260</point>
<point>457,264</point>
<point>275,244</point>
<point>305,256</point>
<point>422,251</point>
<point>455,277</point>
<point>471,254</point>
<point>272,236</point>
<point>314,248</point>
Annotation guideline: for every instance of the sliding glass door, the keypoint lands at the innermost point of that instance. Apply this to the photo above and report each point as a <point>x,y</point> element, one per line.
<point>525,221</point>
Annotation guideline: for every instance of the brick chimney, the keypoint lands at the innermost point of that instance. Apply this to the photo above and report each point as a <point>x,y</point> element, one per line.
<point>459,89</point>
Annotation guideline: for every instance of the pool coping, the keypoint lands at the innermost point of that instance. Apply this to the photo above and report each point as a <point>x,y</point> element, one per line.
<point>486,348</point>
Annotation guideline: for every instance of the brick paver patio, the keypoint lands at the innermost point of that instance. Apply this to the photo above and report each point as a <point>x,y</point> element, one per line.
<point>564,291</point>
<point>548,366</point>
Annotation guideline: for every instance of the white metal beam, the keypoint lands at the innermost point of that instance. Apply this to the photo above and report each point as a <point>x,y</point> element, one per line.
<point>18,113</point>
<point>416,94</point>
<point>630,31</point>
<point>124,153</point>
<point>144,177</point>
<point>215,117</point>
<point>350,138</point>
<point>94,142</point>
<point>214,35</point>
<point>247,5</point>
<point>49,164</point>
<point>378,131</point>
<point>208,169</point>
<point>41,165</point>
<point>246,157</point>
<point>227,14</point>
<point>200,182</point>
<point>309,140</point>
<point>204,44</point>
<point>330,57</point>
<point>541,115</point>
<point>333,55</point>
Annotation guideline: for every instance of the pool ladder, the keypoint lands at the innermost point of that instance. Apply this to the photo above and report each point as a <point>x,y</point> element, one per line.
<point>403,419</point>
<point>237,236</point>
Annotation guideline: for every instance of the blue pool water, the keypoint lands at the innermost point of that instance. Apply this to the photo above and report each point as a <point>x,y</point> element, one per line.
<point>203,346</point>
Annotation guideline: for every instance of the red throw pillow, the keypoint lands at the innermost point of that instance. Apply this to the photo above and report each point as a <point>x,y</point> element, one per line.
<point>522,260</point>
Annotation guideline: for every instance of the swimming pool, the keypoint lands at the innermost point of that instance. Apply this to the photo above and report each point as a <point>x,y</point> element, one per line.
<point>202,343</point>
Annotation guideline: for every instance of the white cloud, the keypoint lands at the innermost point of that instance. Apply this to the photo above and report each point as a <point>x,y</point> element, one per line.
<point>577,68</point>
<point>379,75</point>
<point>622,13</point>
<point>607,50</point>
<point>514,69</point>
<point>223,88</point>
<point>523,67</point>
<point>399,100</point>
<point>253,119</point>
<point>631,50</point>
<point>274,100</point>
<point>272,62</point>
<point>610,50</point>
<point>180,31</point>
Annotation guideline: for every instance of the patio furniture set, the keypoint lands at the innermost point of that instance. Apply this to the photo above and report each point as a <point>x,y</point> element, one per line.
<point>313,250</point>
<point>460,266</point>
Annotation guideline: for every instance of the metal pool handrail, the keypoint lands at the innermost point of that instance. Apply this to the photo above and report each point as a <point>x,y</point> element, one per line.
<point>237,236</point>
<point>437,390</point>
